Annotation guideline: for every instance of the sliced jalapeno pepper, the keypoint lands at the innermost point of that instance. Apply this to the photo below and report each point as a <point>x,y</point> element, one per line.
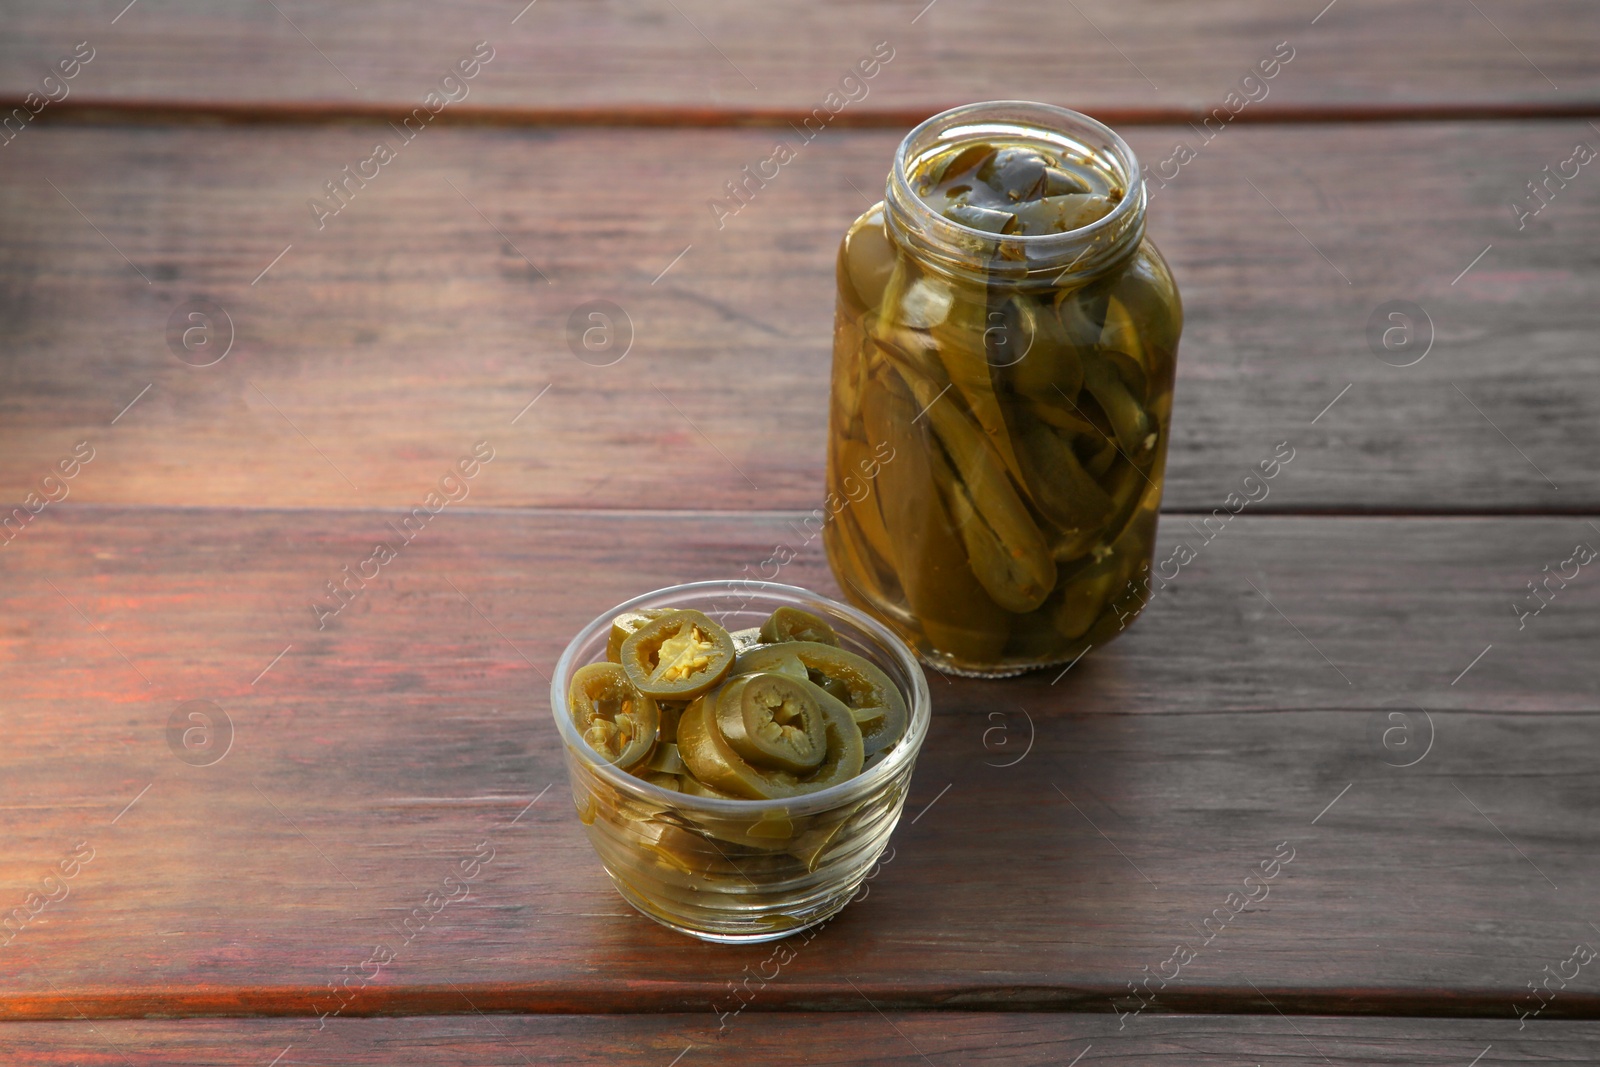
<point>987,219</point>
<point>749,637</point>
<point>874,702</point>
<point>614,718</point>
<point>684,851</point>
<point>688,783</point>
<point>1059,214</point>
<point>624,625</point>
<point>774,721</point>
<point>667,732</point>
<point>773,830</point>
<point>665,760</point>
<point>811,845</point>
<point>677,656</point>
<point>794,624</point>
<point>845,754</point>
<point>776,661</point>
<point>713,761</point>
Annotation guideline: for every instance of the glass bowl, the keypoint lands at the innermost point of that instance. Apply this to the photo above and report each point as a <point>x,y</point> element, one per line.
<point>742,870</point>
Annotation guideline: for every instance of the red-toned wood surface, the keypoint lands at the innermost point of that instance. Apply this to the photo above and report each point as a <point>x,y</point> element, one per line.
<point>1341,671</point>
<point>891,1038</point>
<point>1142,788</point>
<point>707,55</point>
<point>431,310</point>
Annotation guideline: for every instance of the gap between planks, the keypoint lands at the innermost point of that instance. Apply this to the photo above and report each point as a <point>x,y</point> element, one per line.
<point>669,998</point>
<point>159,112</point>
<point>1309,512</point>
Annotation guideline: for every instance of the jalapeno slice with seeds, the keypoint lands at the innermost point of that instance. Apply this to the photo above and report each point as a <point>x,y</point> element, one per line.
<point>774,721</point>
<point>713,761</point>
<point>845,755</point>
<point>794,624</point>
<point>677,656</point>
<point>623,626</point>
<point>873,700</point>
<point>615,719</point>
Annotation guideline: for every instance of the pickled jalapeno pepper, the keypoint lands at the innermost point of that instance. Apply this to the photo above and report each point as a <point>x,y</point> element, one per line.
<point>792,624</point>
<point>616,720</point>
<point>623,626</point>
<point>874,701</point>
<point>1005,331</point>
<point>774,720</point>
<point>765,713</point>
<point>711,755</point>
<point>677,655</point>
<point>741,784</point>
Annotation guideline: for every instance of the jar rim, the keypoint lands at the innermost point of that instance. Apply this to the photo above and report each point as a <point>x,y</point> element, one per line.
<point>950,243</point>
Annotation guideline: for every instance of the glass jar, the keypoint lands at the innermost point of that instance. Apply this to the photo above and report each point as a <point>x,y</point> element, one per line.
<point>742,870</point>
<point>1004,348</point>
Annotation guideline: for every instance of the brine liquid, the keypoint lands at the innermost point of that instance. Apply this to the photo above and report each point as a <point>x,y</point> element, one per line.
<point>1025,427</point>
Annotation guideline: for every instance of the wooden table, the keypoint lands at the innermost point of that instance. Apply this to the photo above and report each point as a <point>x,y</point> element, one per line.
<point>1341,676</point>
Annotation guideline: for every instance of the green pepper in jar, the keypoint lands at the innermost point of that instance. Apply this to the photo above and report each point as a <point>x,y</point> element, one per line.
<point>1062,490</point>
<point>1002,313</point>
<point>1015,190</point>
<point>677,656</point>
<point>869,257</point>
<point>931,562</point>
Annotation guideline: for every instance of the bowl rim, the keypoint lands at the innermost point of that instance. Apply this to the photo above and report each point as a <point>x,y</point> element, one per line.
<point>919,705</point>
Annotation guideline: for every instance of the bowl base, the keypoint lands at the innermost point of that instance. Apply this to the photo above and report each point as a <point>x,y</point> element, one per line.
<point>754,936</point>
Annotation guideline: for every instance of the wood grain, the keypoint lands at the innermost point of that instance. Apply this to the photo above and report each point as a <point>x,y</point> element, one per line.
<point>424,317</point>
<point>891,1039</point>
<point>698,55</point>
<point>372,755</point>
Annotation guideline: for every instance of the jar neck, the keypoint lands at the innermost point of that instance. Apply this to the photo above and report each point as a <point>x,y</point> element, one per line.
<point>1075,256</point>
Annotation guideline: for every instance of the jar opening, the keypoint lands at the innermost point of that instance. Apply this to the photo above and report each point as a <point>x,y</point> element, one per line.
<point>1057,258</point>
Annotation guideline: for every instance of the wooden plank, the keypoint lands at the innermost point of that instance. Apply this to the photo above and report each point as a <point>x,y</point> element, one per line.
<point>694,56</point>
<point>435,307</point>
<point>893,1038</point>
<point>368,757</point>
